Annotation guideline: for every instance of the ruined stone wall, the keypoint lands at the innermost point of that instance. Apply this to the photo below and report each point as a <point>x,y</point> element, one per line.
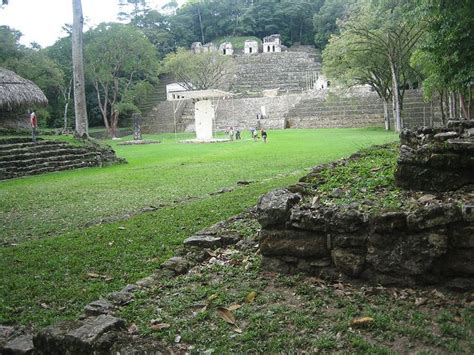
<point>161,118</point>
<point>437,159</point>
<point>428,239</point>
<point>359,109</point>
<point>288,71</point>
<point>432,245</point>
<point>242,113</point>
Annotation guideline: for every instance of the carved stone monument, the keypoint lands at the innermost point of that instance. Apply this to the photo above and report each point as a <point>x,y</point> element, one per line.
<point>137,126</point>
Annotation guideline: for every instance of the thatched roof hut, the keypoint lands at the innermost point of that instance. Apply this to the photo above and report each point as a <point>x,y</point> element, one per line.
<point>16,92</point>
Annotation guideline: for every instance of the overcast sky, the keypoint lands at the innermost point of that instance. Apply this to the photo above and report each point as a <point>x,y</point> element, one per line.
<point>41,21</point>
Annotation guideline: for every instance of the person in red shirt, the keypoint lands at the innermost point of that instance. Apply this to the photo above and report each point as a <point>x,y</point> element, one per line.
<point>34,125</point>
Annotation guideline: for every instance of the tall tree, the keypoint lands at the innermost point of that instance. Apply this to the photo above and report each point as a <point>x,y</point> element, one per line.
<point>120,60</point>
<point>198,71</point>
<point>446,56</point>
<point>80,108</point>
<point>325,20</point>
<point>381,32</point>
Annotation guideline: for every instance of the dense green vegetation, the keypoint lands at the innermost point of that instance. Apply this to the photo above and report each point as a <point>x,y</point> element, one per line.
<point>390,45</point>
<point>47,244</point>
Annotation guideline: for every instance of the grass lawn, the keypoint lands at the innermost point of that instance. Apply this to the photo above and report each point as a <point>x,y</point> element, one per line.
<point>52,264</point>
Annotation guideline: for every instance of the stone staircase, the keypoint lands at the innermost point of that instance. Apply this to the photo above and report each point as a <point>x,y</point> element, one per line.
<point>288,71</point>
<point>186,121</point>
<point>358,110</point>
<point>21,157</point>
<point>336,111</point>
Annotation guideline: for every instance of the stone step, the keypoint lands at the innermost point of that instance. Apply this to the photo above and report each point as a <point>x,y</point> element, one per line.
<point>7,174</point>
<point>16,164</point>
<point>26,155</point>
<point>9,149</point>
<point>16,140</point>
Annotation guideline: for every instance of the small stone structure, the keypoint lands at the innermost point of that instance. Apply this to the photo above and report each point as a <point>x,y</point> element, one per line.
<point>196,47</point>
<point>439,159</point>
<point>430,243</point>
<point>226,48</point>
<point>272,44</point>
<point>209,48</point>
<point>250,47</point>
<point>137,127</point>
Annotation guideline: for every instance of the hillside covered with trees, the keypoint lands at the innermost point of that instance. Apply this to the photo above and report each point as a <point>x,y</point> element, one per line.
<point>123,60</point>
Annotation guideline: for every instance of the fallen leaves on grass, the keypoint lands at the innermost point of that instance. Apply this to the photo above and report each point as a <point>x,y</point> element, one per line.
<point>226,315</point>
<point>93,275</point>
<point>251,297</point>
<point>158,326</point>
<point>419,301</point>
<point>362,321</point>
<point>234,307</point>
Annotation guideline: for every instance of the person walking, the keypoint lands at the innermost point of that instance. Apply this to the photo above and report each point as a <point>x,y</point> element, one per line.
<point>263,134</point>
<point>34,125</point>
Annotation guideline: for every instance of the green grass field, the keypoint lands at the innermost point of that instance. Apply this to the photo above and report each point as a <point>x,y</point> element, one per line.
<point>60,228</point>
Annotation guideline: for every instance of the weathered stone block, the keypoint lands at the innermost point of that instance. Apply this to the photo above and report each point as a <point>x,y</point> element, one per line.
<point>84,338</point>
<point>349,261</point>
<point>462,237</point>
<point>349,240</point>
<point>21,345</point>
<point>348,220</point>
<point>178,265</point>
<point>458,262</point>
<point>434,216</point>
<point>389,221</point>
<point>203,241</point>
<point>293,243</point>
<point>446,135</point>
<point>120,298</point>
<point>273,264</point>
<point>468,212</point>
<point>273,208</point>
<point>98,307</point>
<point>313,219</point>
<point>402,254</point>
<point>445,161</point>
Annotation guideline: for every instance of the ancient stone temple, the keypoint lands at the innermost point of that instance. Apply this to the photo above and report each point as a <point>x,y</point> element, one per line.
<point>209,48</point>
<point>250,47</point>
<point>196,47</point>
<point>226,48</point>
<point>272,44</point>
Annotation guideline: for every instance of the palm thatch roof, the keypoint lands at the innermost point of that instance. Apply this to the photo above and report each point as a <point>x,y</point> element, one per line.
<point>16,92</point>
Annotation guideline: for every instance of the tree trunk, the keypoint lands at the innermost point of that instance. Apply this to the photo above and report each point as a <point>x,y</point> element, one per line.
<point>67,99</point>
<point>80,108</point>
<point>385,115</point>
<point>395,97</point>
<point>469,102</point>
<point>200,24</point>
<point>462,104</point>
<point>441,106</point>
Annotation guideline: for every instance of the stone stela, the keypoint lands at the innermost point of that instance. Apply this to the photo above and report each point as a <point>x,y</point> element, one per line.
<point>137,127</point>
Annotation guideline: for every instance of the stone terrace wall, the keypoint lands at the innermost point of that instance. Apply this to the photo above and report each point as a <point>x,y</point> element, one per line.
<point>242,113</point>
<point>313,109</point>
<point>161,119</point>
<point>437,159</point>
<point>288,71</point>
<point>432,243</point>
<point>330,110</point>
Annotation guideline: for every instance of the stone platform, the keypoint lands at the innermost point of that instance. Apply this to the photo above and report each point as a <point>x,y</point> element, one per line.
<point>428,239</point>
